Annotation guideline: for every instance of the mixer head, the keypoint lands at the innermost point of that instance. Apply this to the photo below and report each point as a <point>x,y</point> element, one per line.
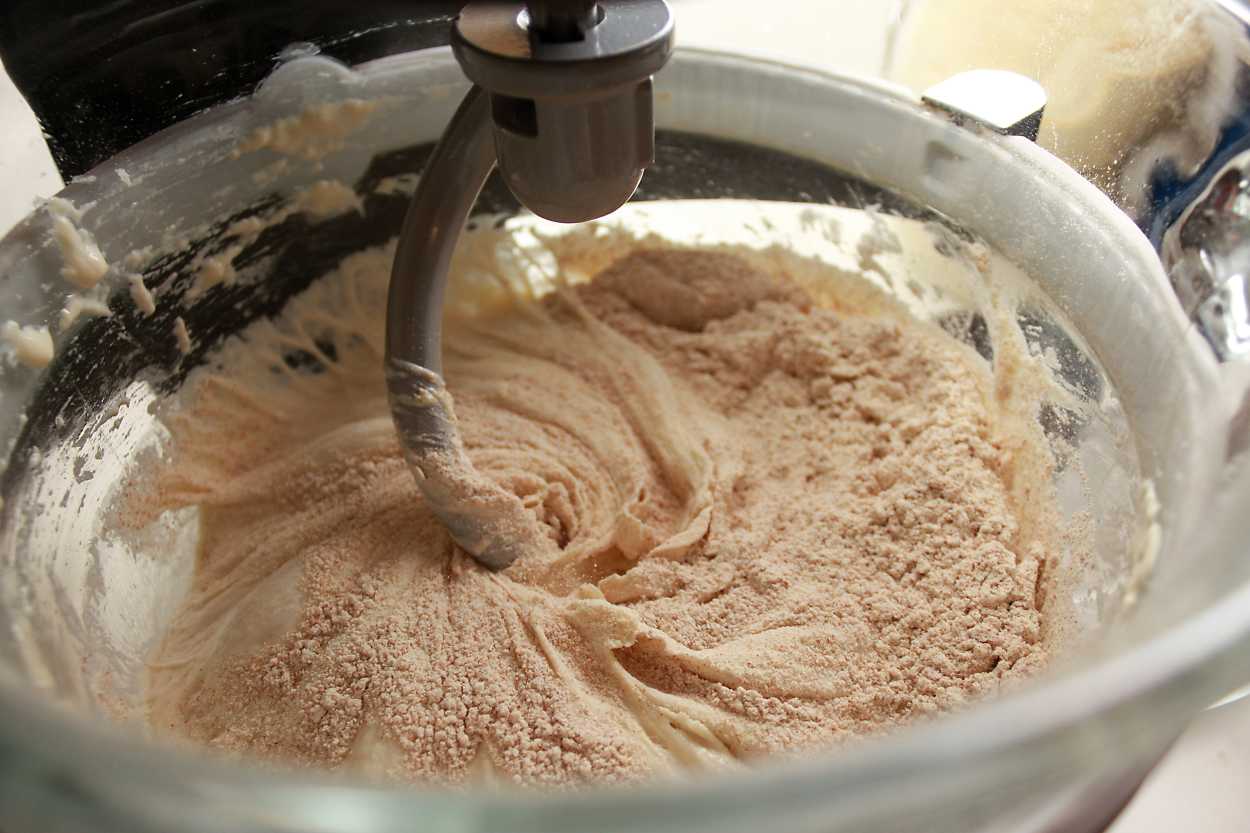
<point>570,95</point>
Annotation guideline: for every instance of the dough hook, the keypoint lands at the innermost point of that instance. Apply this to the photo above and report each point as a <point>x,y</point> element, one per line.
<point>562,103</point>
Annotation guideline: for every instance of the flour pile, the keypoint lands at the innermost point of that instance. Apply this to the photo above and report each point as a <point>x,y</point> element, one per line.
<point>773,527</point>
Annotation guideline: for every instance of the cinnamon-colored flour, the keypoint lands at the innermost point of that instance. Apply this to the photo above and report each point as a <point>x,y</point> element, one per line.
<point>772,528</point>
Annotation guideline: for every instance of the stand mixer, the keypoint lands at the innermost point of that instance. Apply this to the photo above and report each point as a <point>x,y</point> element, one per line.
<point>1063,754</point>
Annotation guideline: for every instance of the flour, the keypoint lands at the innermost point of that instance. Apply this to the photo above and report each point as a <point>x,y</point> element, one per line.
<point>769,528</point>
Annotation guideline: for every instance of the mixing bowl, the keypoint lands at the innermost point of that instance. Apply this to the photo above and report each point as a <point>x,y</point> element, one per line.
<point>1149,432</point>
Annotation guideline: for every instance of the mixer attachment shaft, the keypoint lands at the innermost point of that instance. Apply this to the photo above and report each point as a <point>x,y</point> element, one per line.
<point>562,103</point>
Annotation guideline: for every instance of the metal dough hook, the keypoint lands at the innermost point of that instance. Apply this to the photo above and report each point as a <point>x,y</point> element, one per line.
<point>562,103</point>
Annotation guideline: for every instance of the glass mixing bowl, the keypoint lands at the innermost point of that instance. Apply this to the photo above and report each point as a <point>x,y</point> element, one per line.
<point>1152,438</point>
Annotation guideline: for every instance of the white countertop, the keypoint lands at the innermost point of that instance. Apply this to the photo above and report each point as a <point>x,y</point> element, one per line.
<point>1202,783</point>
